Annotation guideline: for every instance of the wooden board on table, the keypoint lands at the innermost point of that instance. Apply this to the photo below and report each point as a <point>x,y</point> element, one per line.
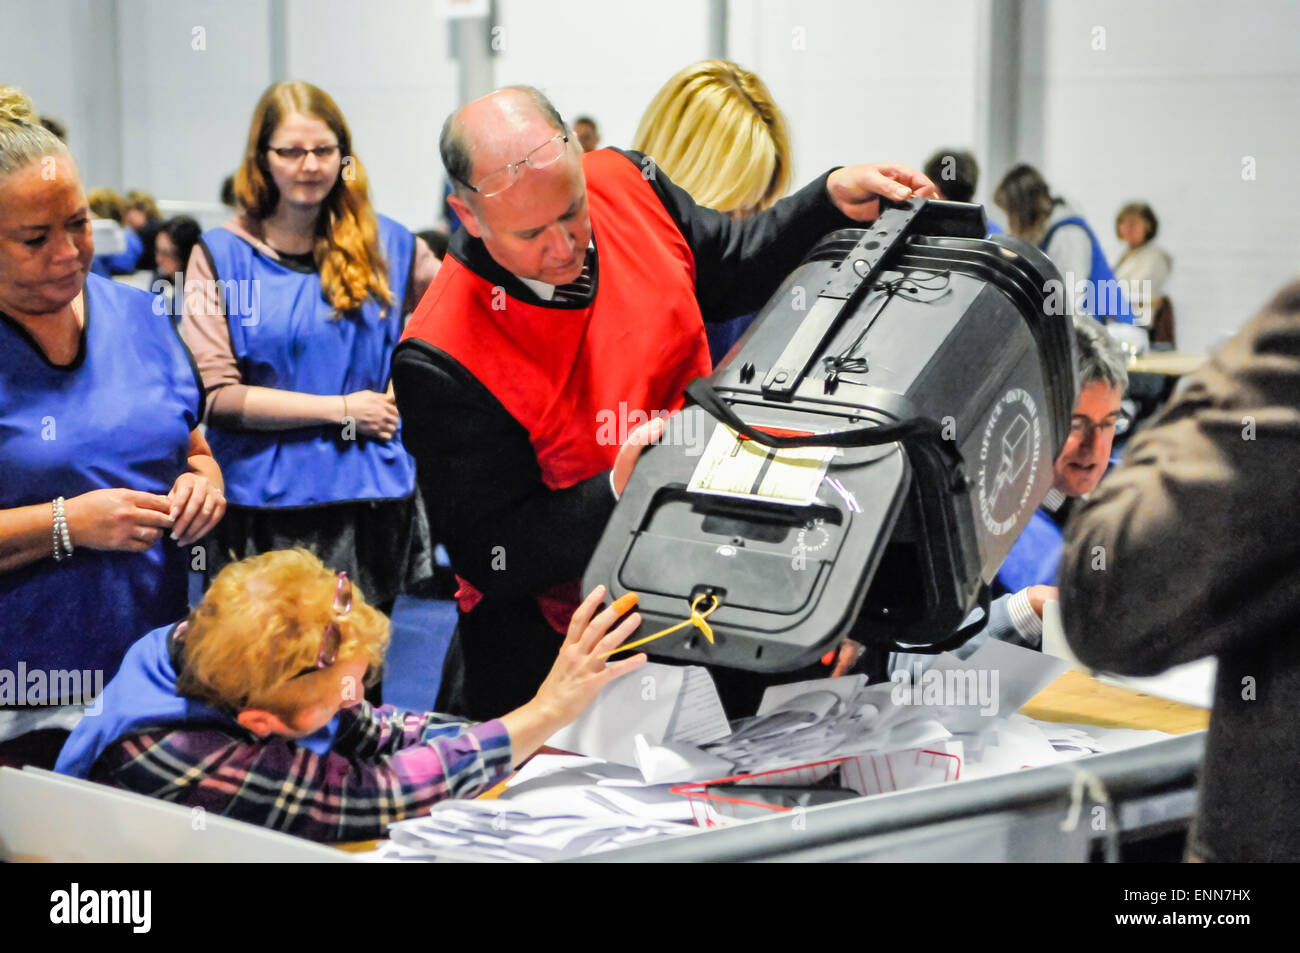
<point>1078,698</point>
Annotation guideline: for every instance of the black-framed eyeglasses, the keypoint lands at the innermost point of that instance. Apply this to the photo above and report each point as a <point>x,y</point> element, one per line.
<point>297,153</point>
<point>332,639</point>
<point>547,154</point>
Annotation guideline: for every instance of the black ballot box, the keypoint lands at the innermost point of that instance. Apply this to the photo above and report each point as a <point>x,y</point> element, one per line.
<point>864,457</point>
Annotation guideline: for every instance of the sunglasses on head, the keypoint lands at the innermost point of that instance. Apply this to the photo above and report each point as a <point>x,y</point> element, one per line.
<point>332,640</point>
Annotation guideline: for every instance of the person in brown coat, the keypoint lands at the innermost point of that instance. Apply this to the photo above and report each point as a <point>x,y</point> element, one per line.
<point>1191,548</point>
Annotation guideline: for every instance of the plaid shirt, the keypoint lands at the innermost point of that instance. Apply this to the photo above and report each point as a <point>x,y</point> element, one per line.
<point>385,766</point>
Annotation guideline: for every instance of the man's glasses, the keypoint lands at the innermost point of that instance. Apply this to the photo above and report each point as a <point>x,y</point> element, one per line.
<point>547,154</point>
<point>296,153</point>
<point>332,640</point>
<point>1085,427</point>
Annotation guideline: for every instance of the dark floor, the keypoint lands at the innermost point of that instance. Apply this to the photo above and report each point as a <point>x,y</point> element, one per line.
<point>421,632</point>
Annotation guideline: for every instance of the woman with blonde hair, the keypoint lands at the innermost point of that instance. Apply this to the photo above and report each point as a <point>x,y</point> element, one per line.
<point>106,478</point>
<point>714,129</point>
<point>292,309</point>
<point>260,690</point>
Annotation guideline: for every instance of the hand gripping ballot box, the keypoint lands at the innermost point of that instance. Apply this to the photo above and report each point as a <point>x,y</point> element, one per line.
<point>862,460</point>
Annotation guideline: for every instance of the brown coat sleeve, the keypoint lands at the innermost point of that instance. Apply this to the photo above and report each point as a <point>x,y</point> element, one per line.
<point>1192,546</point>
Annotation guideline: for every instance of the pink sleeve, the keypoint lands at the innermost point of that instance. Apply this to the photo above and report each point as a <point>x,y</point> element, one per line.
<point>204,328</point>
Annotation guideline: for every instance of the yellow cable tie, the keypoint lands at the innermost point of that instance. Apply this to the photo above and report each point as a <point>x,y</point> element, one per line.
<point>697,619</point>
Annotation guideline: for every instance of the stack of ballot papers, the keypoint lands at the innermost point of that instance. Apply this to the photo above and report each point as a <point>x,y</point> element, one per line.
<point>656,735</point>
<point>492,831</point>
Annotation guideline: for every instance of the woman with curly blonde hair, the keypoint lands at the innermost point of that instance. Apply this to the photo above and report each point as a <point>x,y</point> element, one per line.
<point>292,309</point>
<point>252,708</point>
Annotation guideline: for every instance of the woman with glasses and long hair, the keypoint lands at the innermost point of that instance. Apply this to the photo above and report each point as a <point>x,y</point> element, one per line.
<point>292,309</point>
<point>105,479</point>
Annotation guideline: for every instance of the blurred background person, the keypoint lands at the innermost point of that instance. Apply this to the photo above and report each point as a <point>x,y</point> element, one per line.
<point>107,204</point>
<point>56,127</point>
<point>715,131</point>
<point>107,479</point>
<point>956,175</point>
<point>173,246</point>
<point>300,412</point>
<point>140,214</point>
<point>1052,225</point>
<point>1143,261</point>
<point>228,193</point>
<point>584,127</point>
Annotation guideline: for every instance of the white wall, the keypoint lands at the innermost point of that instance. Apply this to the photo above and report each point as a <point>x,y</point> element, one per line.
<point>191,73</point>
<point>1167,112</point>
<point>387,66</point>
<point>1182,92</point>
<point>855,82</point>
<point>44,49</point>
<point>606,59</point>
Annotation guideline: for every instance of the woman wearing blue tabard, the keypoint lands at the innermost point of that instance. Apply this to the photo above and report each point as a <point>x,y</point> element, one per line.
<point>100,457</point>
<point>1050,223</point>
<point>292,309</point>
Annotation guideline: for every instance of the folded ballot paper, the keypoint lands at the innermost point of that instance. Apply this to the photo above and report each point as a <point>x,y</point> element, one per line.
<point>659,703</point>
<point>661,727</point>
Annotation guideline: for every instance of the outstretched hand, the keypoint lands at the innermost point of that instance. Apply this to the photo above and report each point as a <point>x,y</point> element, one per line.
<point>856,189</point>
<point>578,675</point>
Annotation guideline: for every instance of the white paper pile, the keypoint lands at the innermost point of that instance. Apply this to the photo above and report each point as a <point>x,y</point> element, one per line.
<point>494,831</point>
<point>952,721</point>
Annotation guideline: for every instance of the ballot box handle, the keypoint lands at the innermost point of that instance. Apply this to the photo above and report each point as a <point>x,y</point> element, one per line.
<point>917,428</point>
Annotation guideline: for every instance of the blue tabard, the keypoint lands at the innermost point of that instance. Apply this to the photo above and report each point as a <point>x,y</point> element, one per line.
<point>1034,558</point>
<point>285,335</point>
<point>119,416</point>
<point>142,696</point>
<point>1100,271</point>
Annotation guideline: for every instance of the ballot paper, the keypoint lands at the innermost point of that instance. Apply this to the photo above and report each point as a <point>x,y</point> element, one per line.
<point>671,703</point>
<point>822,719</point>
<point>487,830</point>
<point>732,465</point>
<point>1190,684</point>
<point>1054,642</point>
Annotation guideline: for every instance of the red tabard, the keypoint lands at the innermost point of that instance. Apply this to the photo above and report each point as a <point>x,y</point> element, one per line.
<point>579,380</point>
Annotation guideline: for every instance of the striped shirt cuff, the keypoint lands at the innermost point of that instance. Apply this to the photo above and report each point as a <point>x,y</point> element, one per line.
<point>1024,618</point>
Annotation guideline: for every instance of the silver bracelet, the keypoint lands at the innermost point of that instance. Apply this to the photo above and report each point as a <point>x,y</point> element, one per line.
<point>63,530</point>
<point>62,539</point>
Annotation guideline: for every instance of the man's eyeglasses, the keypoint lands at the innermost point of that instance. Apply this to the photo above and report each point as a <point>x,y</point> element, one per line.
<point>547,154</point>
<point>1084,427</point>
<point>296,153</point>
<point>332,640</point>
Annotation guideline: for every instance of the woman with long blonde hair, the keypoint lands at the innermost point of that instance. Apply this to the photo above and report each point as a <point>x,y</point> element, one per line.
<point>292,309</point>
<point>714,129</point>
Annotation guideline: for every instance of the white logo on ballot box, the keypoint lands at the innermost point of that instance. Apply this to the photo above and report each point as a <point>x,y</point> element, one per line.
<point>1009,449</point>
<point>74,905</point>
